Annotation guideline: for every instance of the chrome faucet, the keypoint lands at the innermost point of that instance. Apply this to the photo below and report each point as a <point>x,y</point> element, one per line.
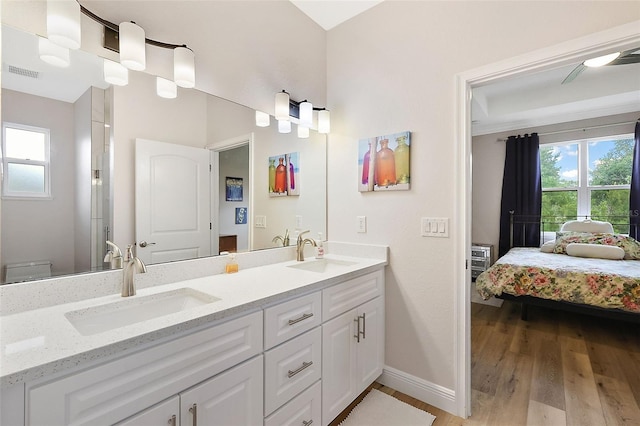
<point>284,239</point>
<point>113,256</point>
<point>131,266</point>
<point>300,245</point>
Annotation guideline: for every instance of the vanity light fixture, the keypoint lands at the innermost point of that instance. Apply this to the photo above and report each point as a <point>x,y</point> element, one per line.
<point>286,108</point>
<point>601,60</point>
<point>166,88</point>
<point>184,69</point>
<point>132,46</point>
<point>115,73</point>
<point>324,121</point>
<point>282,106</point>
<point>306,114</point>
<point>284,126</point>
<point>52,53</point>
<point>262,119</point>
<point>303,132</point>
<point>63,23</point>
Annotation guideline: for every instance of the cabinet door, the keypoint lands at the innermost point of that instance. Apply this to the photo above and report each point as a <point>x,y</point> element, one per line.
<point>304,409</point>
<point>231,398</point>
<point>339,365</point>
<point>167,413</point>
<point>371,346</point>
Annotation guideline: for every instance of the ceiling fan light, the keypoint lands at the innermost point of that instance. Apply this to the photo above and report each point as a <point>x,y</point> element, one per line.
<point>132,46</point>
<point>282,106</point>
<point>601,60</point>
<point>262,119</point>
<point>115,73</point>
<point>53,53</point>
<point>63,23</point>
<point>303,132</point>
<point>184,69</point>
<point>324,121</point>
<point>166,88</point>
<point>284,126</point>
<point>306,114</point>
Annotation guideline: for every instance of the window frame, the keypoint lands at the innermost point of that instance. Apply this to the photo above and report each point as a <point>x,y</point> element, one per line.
<point>583,188</point>
<point>46,164</point>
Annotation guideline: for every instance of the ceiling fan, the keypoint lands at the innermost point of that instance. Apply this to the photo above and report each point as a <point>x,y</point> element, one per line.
<point>617,58</point>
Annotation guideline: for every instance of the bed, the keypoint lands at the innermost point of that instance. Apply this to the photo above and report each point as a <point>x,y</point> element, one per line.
<point>587,269</point>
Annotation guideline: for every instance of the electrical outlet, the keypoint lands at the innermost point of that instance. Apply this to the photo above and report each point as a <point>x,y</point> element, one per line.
<point>362,224</point>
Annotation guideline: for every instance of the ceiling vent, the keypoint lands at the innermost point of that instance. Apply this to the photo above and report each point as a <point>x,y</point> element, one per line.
<point>23,72</point>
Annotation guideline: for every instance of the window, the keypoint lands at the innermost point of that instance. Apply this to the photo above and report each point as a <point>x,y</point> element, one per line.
<point>591,177</point>
<point>25,161</point>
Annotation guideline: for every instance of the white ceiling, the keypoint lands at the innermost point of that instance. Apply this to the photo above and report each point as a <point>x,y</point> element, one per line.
<point>330,13</point>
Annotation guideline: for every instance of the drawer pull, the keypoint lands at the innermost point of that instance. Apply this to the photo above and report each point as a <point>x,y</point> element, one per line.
<point>172,420</point>
<point>305,423</point>
<point>364,325</point>
<point>357,335</point>
<point>302,318</point>
<point>290,374</point>
<point>194,411</point>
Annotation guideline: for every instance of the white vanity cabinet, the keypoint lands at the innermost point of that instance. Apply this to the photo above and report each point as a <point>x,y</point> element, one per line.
<point>115,390</point>
<point>352,342</point>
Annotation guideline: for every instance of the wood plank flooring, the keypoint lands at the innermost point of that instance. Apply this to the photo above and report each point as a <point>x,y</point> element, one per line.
<point>557,369</point>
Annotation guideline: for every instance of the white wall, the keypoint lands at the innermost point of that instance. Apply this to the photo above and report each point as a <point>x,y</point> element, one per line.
<point>43,229</point>
<point>82,174</point>
<point>392,69</point>
<point>234,163</point>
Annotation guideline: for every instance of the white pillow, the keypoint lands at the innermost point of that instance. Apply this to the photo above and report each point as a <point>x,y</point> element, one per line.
<point>595,250</point>
<point>592,226</point>
<point>548,246</point>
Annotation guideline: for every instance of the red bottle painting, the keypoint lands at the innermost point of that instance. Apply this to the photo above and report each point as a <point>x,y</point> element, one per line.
<point>385,165</point>
<point>281,177</point>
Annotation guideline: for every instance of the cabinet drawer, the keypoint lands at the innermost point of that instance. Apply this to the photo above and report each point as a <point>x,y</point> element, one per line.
<point>480,263</point>
<point>303,409</point>
<point>289,319</point>
<point>118,389</point>
<point>342,297</point>
<point>160,414</point>
<point>291,368</point>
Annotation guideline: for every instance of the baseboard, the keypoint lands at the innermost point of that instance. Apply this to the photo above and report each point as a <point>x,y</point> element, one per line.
<point>425,391</point>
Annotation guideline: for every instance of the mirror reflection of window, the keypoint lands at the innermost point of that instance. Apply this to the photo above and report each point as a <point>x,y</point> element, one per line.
<point>25,161</point>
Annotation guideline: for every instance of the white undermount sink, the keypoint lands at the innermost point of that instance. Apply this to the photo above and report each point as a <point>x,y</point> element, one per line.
<point>322,265</point>
<point>131,310</point>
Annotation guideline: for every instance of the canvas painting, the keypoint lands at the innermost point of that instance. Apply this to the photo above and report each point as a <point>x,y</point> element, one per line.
<point>233,189</point>
<point>278,176</point>
<point>293,170</point>
<point>383,163</point>
<point>241,215</point>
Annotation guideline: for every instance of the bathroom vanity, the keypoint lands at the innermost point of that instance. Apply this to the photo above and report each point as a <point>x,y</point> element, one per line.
<point>285,343</point>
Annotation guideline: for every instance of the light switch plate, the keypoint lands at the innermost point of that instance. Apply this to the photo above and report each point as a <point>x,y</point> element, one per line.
<point>298,222</point>
<point>260,221</point>
<point>434,227</point>
<point>361,224</point>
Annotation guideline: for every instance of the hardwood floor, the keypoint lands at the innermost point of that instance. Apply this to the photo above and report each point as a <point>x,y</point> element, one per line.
<point>556,369</point>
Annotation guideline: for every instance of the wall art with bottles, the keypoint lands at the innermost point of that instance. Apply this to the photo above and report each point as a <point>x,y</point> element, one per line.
<point>284,175</point>
<point>383,163</point>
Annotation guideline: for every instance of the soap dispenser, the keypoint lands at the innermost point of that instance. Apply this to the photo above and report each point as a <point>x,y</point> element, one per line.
<point>231,266</point>
<point>319,247</point>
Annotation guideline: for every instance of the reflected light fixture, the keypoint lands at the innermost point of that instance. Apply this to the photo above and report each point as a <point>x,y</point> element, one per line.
<point>132,46</point>
<point>306,114</point>
<point>184,69</point>
<point>324,121</point>
<point>166,88</point>
<point>115,73</point>
<point>303,132</point>
<point>63,23</point>
<point>52,53</point>
<point>282,106</point>
<point>262,119</point>
<point>284,126</point>
<point>601,60</point>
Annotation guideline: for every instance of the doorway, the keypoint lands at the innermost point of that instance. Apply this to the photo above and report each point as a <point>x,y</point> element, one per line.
<point>619,38</point>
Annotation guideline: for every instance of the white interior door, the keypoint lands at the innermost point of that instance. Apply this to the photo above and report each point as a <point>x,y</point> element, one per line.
<point>172,202</point>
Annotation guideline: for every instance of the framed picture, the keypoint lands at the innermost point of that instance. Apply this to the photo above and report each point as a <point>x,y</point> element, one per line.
<point>241,215</point>
<point>278,176</point>
<point>383,163</point>
<point>233,189</point>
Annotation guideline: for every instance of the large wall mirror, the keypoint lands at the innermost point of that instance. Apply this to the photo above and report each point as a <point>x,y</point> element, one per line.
<point>99,138</point>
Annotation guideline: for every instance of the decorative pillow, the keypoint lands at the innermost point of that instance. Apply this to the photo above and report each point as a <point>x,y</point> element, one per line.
<point>548,246</point>
<point>595,250</point>
<point>591,226</point>
<point>630,246</point>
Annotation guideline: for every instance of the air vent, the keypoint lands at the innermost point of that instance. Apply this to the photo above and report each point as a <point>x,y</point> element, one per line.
<point>23,72</point>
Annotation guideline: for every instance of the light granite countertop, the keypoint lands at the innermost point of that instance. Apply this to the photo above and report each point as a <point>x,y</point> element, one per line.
<point>40,342</point>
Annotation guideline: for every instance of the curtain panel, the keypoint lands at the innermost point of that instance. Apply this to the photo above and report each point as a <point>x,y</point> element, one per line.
<point>634,194</point>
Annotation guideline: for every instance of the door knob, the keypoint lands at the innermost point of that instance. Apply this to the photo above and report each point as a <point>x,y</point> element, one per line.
<point>143,244</point>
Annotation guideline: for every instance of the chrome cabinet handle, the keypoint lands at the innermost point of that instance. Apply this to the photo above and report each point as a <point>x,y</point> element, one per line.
<point>302,318</point>
<point>305,423</point>
<point>194,411</point>
<point>357,335</point>
<point>364,325</point>
<point>172,420</point>
<point>290,374</point>
<point>143,244</point>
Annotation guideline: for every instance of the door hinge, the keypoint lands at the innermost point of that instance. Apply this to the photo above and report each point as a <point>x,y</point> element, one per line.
<point>209,168</point>
<point>466,264</point>
<point>210,226</point>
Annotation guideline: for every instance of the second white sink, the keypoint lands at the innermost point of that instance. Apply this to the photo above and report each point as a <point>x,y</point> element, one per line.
<point>97,319</point>
<point>322,265</point>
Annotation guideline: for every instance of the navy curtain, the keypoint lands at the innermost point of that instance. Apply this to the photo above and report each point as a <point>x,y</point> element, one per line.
<point>634,195</point>
<point>521,192</point>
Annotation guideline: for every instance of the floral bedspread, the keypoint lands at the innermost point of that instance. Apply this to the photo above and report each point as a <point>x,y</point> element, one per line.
<point>597,282</point>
